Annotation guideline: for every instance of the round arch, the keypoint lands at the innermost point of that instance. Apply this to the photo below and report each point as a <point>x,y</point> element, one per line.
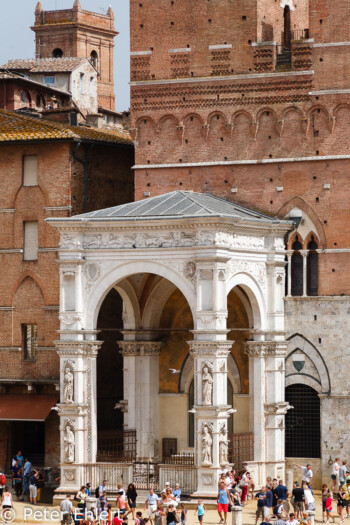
<point>112,278</point>
<point>257,302</point>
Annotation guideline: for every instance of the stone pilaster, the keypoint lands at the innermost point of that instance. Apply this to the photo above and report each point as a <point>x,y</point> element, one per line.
<point>267,406</point>
<point>211,411</point>
<point>141,389</point>
<point>77,409</point>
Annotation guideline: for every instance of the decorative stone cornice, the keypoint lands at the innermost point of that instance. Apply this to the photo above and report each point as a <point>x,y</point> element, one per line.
<point>210,348</point>
<point>139,348</point>
<point>78,348</point>
<point>266,348</point>
<point>278,408</point>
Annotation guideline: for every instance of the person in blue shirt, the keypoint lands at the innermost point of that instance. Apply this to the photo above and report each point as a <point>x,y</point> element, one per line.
<point>20,458</point>
<point>88,489</point>
<point>282,493</point>
<point>26,475</point>
<point>177,492</point>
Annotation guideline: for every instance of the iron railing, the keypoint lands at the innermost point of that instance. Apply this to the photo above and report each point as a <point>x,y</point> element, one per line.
<point>240,449</point>
<point>179,459</point>
<point>184,475</point>
<point>113,473</point>
<point>121,447</point>
<point>300,34</point>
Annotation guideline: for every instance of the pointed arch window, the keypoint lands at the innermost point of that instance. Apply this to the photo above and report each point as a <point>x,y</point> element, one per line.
<point>312,268</point>
<point>297,268</point>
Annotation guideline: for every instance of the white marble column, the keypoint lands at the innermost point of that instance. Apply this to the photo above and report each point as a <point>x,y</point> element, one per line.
<point>141,389</point>
<point>289,254</point>
<point>267,407</point>
<point>304,254</point>
<point>77,408</point>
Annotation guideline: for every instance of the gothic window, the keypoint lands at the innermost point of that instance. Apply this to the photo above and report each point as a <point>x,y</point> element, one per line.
<point>57,53</point>
<point>303,432</point>
<point>25,97</point>
<point>94,59</point>
<point>297,268</point>
<point>312,268</point>
<point>29,341</point>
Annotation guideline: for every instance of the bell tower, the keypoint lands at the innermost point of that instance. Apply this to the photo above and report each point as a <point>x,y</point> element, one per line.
<point>79,33</point>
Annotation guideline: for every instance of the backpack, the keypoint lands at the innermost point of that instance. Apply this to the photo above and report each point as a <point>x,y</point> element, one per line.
<point>2,479</point>
<point>97,492</point>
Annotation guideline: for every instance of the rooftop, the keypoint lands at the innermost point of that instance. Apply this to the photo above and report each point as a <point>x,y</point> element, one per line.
<point>15,127</point>
<point>179,204</point>
<point>42,65</point>
<point>23,79</point>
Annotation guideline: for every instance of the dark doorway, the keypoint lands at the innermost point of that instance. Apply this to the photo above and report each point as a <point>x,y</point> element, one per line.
<point>109,366</point>
<point>287,35</point>
<point>29,437</point>
<point>303,431</point>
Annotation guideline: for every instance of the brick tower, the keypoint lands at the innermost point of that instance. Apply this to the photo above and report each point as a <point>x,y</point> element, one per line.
<point>78,33</point>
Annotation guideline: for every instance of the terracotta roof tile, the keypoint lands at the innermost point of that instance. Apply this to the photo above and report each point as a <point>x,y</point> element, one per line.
<point>59,65</point>
<point>15,127</point>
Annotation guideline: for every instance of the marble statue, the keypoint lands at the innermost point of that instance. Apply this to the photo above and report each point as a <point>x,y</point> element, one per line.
<point>223,447</point>
<point>207,444</point>
<point>69,445</point>
<point>68,390</point>
<point>207,386</point>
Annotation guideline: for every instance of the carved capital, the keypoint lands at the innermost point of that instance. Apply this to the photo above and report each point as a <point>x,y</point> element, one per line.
<point>210,348</point>
<point>280,408</point>
<point>140,348</point>
<point>78,348</point>
<point>266,348</point>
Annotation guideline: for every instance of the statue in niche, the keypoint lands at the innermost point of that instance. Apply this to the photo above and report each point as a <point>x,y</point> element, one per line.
<point>207,386</point>
<point>207,443</point>
<point>69,444</point>
<point>68,390</point>
<point>223,447</point>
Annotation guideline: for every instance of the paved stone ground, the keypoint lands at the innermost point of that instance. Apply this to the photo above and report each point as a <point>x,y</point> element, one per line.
<point>211,516</point>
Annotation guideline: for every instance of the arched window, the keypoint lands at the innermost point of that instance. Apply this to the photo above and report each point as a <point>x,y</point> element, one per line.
<point>25,97</point>
<point>312,267</point>
<point>40,101</point>
<point>57,53</point>
<point>303,431</point>
<point>94,59</point>
<point>297,268</point>
<point>191,416</point>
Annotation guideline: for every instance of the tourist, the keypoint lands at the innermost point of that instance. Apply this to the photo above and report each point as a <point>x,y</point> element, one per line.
<point>200,510</point>
<point>305,520</point>
<point>26,475</point>
<point>101,489</point>
<point>33,486</point>
<point>103,502</point>
<point>18,480</point>
<point>88,489</point>
<point>260,511</point>
<point>171,518</point>
<point>158,514</point>
<point>14,469</point>
<point>266,521</point>
<point>177,492</point>
<point>298,499</point>
<point>6,502</point>
<point>19,457</point>
<point>121,506</point>
<point>280,520</point>
<point>329,509</point>
<point>307,474</point>
<point>269,482</point>
<point>223,500</point>
<point>268,502</point>
<point>308,498</point>
<point>335,475</point>
<point>244,485</point>
<point>342,472</point>
<point>346,489</point>
<point>341,503</point>
<point>120,490</point>
<point>41,484</point>
<point>183,514</point>
<point>170,498</point>
<point>66,511</point>
<point>235,497</point>
<point>81,498</point>
<point>292,520</point>
<point>251,485</point>
<point>2,482</point>
<point>282,493</point>
<point>324,496</point>
<point>278,508</point>
<point>131,495</point>
<point>152,504</point>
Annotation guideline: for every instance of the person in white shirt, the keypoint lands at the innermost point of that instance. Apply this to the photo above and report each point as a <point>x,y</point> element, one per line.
<point>292,520</point>
<point>335,475</point>
<point>307,473</point>
<point>308,498</point>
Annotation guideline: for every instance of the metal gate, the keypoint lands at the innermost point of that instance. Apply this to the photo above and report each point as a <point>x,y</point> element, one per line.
<point>146,475</point>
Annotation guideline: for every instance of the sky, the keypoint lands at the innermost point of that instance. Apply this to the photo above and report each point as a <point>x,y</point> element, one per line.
<point>17,40</point>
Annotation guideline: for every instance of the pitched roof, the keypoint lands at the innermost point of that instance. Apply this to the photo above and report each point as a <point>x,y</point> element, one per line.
<point>10,75</point>
<point>16,127</point>
<point>178,204</point>
<point>42,65</point>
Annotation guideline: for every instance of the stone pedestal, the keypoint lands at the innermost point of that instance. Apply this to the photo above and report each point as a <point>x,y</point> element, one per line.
<point>141,388</point>
<point>211,412</point>
<point>237,515</point>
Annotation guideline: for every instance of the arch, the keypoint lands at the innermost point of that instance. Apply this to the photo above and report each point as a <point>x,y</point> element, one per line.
<point>94,58</point>
<point>255,295</point>
<point>131,308</point>
<point>217,114</point>
<point>311,236</point>
<point>339,107</point>
<point>115,275</point>
<point>299,202</point>
<point>293,108</point>
<point>244,113</point>
<point>57,53</point>
<point>298,341</point>
<point>294,238</point>
<point>168,117</point>
<point>144,120</point>
<point>193,116</point>
<point>317,107</point>
<point>25,97</point>
<point>271,112</point>
<point>35,278</point>
<point>155,303</point>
